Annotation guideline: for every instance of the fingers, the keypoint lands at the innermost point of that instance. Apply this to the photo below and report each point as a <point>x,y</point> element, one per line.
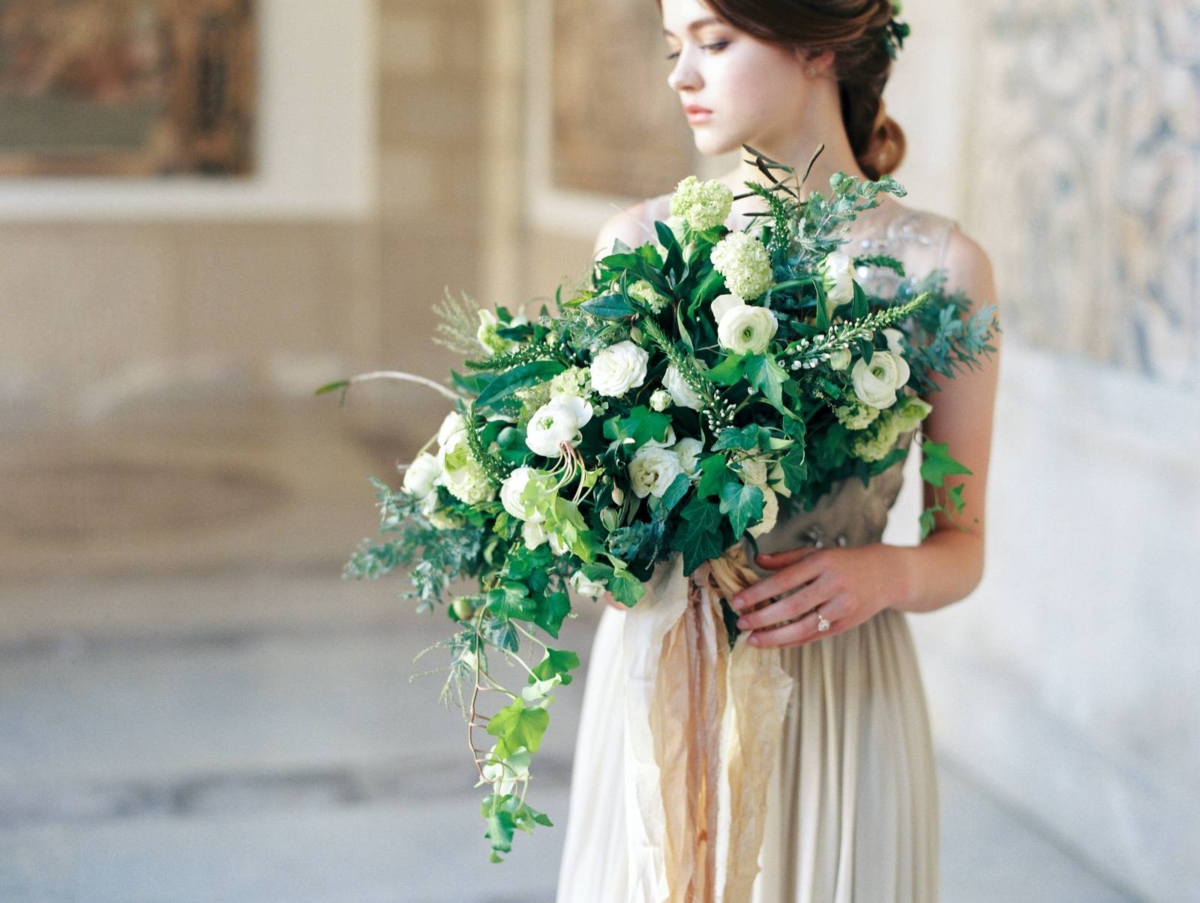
<point>836,611</point>
<point>787,608</point>
<point>775,560</point>
<point>788,578</point>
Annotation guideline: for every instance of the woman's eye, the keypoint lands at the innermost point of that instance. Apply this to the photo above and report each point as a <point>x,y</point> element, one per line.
<point>715,46</point>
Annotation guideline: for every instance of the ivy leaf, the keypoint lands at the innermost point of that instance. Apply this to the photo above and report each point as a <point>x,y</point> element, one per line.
<point>727,372</point>
<point>641,426</point>
<point>766,375</point>
<point>748,438</point>
<point>699,535</point>
<point>625,587</point>
<point>674,494</point>
<point>552,609</point>
<point>511,600</point>
<point>938,464</point>
<point>743,504</point>
<point>499,825</point>
<point>557,661</point>
<point>715,473</point>
<point>516,726</point>
<point>795,468</point>
<point>927,522</point>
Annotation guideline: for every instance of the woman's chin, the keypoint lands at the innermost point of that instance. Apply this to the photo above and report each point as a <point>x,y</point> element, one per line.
<point>712,143</point>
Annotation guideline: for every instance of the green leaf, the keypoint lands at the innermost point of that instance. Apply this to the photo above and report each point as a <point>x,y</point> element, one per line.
<point>332,387</point>
<point>625,587</point>
<point>860,306</point>
<point>511,600</point>
<point>641,426</point>
<point>516,726</point>
<point>609,307</point>
<point>675,493</point>
<point>709,287</point>
<point>795,468</point>
<point>727,372</point>
<point>500,825</point>
<point>699,536</point>
<point>927,522</point>
<point>743,504</point>
<point>714,474</point>
<point>518,378</point>
<point>938,464</point>
<point>766,375</point>
<point>552,609</point>
<point>747,438</point>
<point>557,661</point>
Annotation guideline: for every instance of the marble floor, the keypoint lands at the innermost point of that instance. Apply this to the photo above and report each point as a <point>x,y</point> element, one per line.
<point>195,707</point>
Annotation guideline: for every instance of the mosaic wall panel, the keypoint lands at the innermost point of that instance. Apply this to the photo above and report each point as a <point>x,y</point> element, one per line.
<point>1085,187</point>
<point>618,127</point>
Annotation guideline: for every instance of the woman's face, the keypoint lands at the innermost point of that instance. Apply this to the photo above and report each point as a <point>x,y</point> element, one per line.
<point>756,92</point>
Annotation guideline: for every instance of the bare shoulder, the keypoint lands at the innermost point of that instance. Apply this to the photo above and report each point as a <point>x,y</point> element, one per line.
<point>969,268</point>
<point>632,225</point>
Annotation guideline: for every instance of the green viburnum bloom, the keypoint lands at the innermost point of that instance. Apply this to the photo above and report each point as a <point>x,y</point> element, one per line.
<point>704,205</point>
<point>854,415</point>
<point>644,292</point>
<point>743,260</point>
<point>875,445</point>
<point>910,411</point>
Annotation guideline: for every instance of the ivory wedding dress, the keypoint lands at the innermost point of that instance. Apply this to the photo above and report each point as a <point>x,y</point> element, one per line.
<point>821,759</point>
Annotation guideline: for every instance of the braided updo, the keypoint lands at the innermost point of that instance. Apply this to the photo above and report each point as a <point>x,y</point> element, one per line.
<point>853,29</point>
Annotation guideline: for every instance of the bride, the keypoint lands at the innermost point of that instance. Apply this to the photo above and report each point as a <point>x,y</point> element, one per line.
<point>852,808</point>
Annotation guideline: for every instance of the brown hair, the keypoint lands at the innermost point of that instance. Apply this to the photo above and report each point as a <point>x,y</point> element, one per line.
<point>853,29</point>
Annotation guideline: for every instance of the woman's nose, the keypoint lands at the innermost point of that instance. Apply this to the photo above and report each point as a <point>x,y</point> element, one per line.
<point>684,76</point>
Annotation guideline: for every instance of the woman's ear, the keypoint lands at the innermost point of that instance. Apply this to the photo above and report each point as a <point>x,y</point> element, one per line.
<point>816,64</point>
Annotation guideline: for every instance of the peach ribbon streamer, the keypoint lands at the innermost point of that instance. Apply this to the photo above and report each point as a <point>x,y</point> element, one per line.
<point>703,725</point>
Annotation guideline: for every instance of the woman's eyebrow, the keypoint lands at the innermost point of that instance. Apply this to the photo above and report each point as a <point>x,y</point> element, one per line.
<point>698,24</point>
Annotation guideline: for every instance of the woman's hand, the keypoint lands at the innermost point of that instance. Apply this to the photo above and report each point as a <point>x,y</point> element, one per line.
<point>848,584</point>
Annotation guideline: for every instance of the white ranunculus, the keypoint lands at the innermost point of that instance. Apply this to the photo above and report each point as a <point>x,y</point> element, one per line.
<point>533,534</point>
<point>747,330</point>
<point>770,513</point>
<point>510,494</point>
<point>876,384</point>
<point>421,475</point>
<point>585,587</point>
<point>652,470</point>
<point>681,393</point>
<point>453,424</point>
<point>753,471</point>
<point>660,400</point>
<point>688,453</point>
<point>723,304</point>
<point>838,277</point>
<point>619,368</point>
<point>556,422</point>
<point>840,359</point>
<point>895,340</point>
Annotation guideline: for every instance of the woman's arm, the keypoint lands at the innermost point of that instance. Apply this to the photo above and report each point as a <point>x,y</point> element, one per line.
<point>949,564</point>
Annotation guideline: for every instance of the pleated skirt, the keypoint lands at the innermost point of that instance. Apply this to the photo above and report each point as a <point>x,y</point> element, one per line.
<point>852,814</point>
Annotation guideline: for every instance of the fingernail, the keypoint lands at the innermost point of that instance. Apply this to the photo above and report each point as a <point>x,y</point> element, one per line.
<point>753,641</point>
<point>742,623</point>
<point>735,603</point>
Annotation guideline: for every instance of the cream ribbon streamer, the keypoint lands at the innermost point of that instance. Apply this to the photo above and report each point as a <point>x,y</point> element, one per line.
<point>702,729</point>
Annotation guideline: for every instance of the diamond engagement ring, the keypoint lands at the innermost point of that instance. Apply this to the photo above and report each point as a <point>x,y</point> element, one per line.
<point>822,622</point>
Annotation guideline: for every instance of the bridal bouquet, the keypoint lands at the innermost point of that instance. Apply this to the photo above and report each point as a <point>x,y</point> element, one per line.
<point>695,387</point>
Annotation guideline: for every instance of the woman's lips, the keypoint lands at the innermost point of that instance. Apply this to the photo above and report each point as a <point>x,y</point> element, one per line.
<point>697,114</point>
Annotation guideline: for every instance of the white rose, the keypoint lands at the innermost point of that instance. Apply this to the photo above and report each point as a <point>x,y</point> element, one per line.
<point>723,304</point>
<point>770,513</point>
<point>747,330</point>
<point>556,422</point>
<point>681,393</point>
<point>652,470</point>
<point>619,368</point>
<point>533,534</point>
<point>454,423</point>
<point>838,279</point>
<point>840,359</point>
<point>688,453</point>
<point>422,475</point>
<point>586,587</point>
<point>876,384</point>
<point>895,340</point>
<point>510,495</point>
<point>660,400</point>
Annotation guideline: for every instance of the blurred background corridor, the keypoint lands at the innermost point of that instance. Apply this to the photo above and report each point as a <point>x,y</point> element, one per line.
<point>208,210</point>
